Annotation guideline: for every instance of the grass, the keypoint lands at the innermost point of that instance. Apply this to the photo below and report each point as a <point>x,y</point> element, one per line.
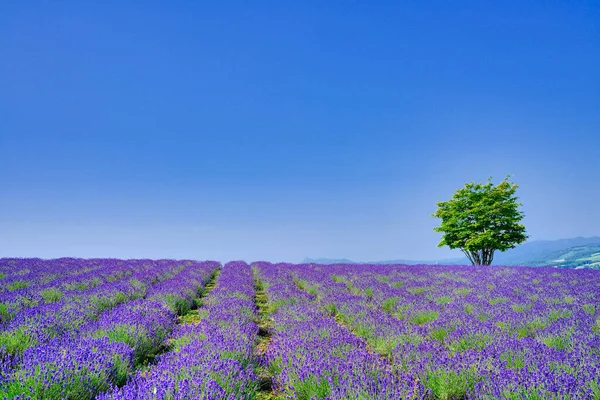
<point>424,317</point>
<point>385,345</point>
<point>311,387</point>
<point>145,346</point>
<point>439,334</point>
<point>4,313</point>
<point>462,291</point>
<point>520,307</point>
<point>17,285</point>
<point>505,326</point>
<point>55,382</point>
<point>589,308</point>
<point>498,300</point>
<point>483,317</point>
<point>400,310</point>
<point>331,309</point>
<point>16,341</point>
<point>443,300</point>
<point>452,277</point>
<point>389,304</point>
<point>555,314</point>
<point>513,360</point>
<point>194,316</point>
<point>447,385</point>
<point>530,328</point>
<point>419,289</point>
<point>558,342</point>
<point>51,295</point>
<point>476,341</point>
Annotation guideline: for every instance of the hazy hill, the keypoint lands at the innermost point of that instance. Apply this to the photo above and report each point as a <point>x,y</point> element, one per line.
<point>564,253</point>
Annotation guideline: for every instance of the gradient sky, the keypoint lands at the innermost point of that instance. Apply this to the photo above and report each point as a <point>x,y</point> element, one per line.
<point>283,130</point>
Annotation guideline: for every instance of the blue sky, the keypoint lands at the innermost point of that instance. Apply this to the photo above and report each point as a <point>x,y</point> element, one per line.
<point>283,130</point>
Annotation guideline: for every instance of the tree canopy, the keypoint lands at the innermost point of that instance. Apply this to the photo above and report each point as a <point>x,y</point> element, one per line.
<point>481,218</point>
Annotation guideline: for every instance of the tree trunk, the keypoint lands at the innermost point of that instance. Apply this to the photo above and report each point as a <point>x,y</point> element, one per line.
<point>481,257</point>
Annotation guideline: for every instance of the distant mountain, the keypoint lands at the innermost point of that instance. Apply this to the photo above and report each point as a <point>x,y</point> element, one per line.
<point>564,253</point>
<point>327,261</point>
<point>549,252</point>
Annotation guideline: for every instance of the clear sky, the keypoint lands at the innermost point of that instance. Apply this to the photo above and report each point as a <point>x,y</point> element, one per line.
<point>282,130</point>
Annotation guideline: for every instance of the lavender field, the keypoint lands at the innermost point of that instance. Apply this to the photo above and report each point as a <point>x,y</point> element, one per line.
<point>165,329</point>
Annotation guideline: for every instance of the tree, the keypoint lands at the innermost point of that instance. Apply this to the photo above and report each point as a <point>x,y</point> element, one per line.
<point>480,219</point>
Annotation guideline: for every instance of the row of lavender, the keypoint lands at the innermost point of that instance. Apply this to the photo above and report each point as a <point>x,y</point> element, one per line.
<point>97,351</point>
<point>471,332</point>
<point>210,359</point>
<point>313,357</point>
<point>27,283</point>
<point>40,323</point>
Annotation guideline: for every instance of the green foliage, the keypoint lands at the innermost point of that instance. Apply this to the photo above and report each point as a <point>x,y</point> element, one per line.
<point>103,303</point>
<point>178,304</point>
<point>483,317</point>
<point>4,313</point>
<point>530,328</point>
<point>589,308</point>
<point>424,317</point>
<point>51,295</point>
<point>194,316</point>
<point>558,314</point>
<point>17,285</point>
<point>505,326</point>
<point>331,308</point>
<point>596,327</point>
<point>477,341</point>
<point>558,342</point>
<point>78,383</point>
<point>389,304</point>
<point>439,334</point>
<point>529,393</point>
<point>145,345</point>
<point>418,290</point>
<point>520,307</point>
<point>480,219</point>
<point>497,300</point>
<point>385,345</point>
<point>462,291</point>
<point>452,277</point>
<point>16,341</point>
<point>446,385</point>
<point>513,360</point>
<point>443,300</point>
<point>312,387</point>
<point>301,283</point>
<point>399,312</point>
